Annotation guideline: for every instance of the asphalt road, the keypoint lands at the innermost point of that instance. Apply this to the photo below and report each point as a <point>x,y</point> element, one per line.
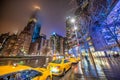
<point>65,77</point>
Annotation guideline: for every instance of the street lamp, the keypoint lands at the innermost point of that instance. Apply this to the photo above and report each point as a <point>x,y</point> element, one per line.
<point>72,20</point>
<point>75,28</point>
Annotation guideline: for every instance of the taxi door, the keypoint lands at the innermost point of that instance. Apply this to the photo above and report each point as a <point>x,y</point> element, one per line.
<point>67,64</point>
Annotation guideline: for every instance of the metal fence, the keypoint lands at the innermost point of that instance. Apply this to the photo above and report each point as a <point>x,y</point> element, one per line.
<point>33,61</point>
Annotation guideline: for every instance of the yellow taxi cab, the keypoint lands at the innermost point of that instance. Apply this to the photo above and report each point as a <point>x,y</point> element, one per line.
<point>78,58</point>
<point>73,60</point>
<point>20,72</point>
<point>58,67</point>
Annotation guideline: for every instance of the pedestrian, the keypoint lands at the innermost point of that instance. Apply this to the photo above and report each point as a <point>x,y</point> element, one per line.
<point>86,57</point>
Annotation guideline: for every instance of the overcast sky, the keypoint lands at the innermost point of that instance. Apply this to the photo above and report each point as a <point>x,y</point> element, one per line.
<point>14,14</point>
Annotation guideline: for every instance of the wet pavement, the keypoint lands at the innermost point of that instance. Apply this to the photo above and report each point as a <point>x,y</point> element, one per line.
<point>104,69</point>
<point>78,73</point>
<point>75,73</point>
<point>111,67</point>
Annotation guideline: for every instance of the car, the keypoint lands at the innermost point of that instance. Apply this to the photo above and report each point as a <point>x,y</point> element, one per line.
<point>73,60</point>
<point>78,59</point>
<point>21,72</point>
<point>58,67</point>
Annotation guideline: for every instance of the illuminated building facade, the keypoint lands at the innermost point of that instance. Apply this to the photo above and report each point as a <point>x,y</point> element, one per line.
<point>111,29</point>
<point>57,43</point>
<point>9,46</point>
<point>108,31</point>
<point>36,39</point>
<point>42,40</point>
<point>25,38</point>
<point>36,32</point>
<point>3,40</point>
<point>28,41</point>
<point>90,16</point>
<point>70,34</point>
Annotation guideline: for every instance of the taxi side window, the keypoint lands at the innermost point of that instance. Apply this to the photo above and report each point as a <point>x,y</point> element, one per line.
<point>66,61</point>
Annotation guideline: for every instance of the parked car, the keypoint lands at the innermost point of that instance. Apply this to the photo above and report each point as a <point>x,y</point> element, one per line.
<point>20,72</point>
<point>73,60</point>
<point>58,67</point>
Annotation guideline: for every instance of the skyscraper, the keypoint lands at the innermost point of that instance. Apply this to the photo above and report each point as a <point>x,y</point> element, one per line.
<point>70,34</point>
<point>28,36</point>
<point>57,42</point>
<point>37,45</point>
<point>21,44</point>
<point>25,38</point>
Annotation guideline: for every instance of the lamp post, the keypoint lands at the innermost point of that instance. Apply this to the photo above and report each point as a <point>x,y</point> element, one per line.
<point>75,29</point>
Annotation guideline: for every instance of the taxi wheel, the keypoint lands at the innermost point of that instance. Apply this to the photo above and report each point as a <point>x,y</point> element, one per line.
<point>63,72</point>
<point>48,78</point>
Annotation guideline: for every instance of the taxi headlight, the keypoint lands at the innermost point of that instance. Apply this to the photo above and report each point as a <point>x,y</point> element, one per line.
<point>55,69</point>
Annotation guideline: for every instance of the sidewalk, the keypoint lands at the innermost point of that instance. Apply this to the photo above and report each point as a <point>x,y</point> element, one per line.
<point>111,67</point>
<point>86,71</point>
<point>106,69</point>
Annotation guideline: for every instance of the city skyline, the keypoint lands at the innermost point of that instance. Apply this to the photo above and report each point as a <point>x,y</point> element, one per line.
<point>52,14</point>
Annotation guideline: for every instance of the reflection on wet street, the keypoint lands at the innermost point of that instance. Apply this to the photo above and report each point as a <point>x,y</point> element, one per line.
<point>93,72</point>
<point>104,69</point>
<point>111,67</point>
<point>75,73</point>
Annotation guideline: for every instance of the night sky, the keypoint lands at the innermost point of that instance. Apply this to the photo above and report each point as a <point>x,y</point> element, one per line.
<point>14,14</point>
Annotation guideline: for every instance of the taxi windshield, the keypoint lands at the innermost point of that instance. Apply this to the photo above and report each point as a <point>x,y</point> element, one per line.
<point>22,75</point>
<point>58,61</point>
